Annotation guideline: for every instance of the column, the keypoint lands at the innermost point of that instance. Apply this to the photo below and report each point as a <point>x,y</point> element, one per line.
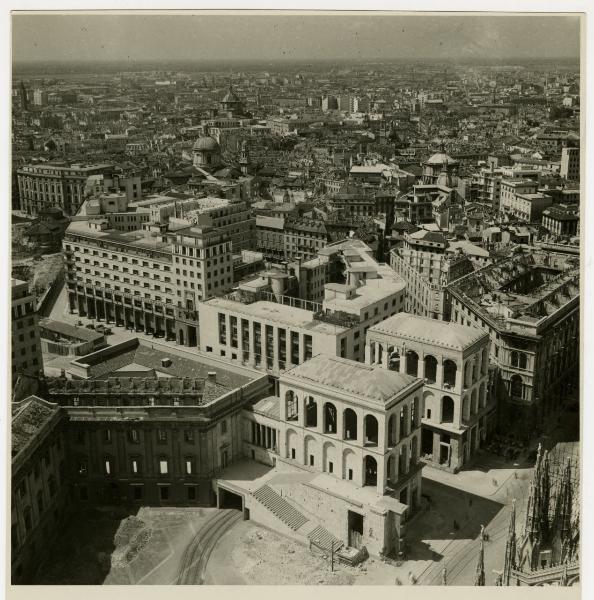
<point>386,357</point>
<point>288,349</point>
<point>367,354</point>
<point>252,343</point>
<point>460,381</point>
<point>239,339</point>
<point>439,372</point>
<point>227,330</point>
<point>402,352</point>
<point>264,344</point>
<point>301,348</point>
<point>275,353</point>
<point>421,369</point>
<point>381,474</point>
<point>360,427</point>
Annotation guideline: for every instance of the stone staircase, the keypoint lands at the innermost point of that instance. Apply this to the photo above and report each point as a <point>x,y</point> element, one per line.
<point>280,508</point>
<point>324,540</point>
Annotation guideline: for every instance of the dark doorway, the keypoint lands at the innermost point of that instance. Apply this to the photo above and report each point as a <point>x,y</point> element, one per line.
<point>404,495</point>
<point>192,337</point>
<point>229,499</point>
<point>355,529</point>
<point>426,442</point>
<point>370,471</point>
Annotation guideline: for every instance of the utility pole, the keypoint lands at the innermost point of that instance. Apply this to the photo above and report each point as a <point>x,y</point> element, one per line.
<point>332,556</point>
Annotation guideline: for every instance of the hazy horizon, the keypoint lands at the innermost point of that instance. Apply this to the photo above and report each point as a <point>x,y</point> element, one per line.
<point>101,38</point>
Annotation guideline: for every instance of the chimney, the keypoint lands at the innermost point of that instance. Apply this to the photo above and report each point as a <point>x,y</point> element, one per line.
<point>212,376</point>
<point>165,362</point>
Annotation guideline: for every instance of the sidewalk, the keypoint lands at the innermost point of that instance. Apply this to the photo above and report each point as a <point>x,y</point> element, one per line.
<point>487,478</point>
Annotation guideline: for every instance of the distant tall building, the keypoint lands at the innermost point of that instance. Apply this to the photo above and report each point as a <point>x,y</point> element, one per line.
<point>40,98</point>
<point>570,164</point>
<point>26,346</point>
<point>49,185</point>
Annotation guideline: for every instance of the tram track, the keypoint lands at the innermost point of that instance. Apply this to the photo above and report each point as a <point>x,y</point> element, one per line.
<point>196,555</point>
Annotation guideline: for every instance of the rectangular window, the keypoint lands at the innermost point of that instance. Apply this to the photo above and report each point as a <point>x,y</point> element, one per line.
<point>189,436</point>
<point>164,492</point>
<point>135,463</point>
<point>222,330</point>
<point>189,466</point>
<point>107,466</point>
<point>192,495</point>
<point>162,436</point>
<point>223,427</point>
<point>137,492</point>
<point>163,467</point>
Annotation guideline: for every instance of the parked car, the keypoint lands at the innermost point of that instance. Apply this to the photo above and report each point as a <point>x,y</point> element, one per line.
<point>90,326</point>
<point>107,331</point>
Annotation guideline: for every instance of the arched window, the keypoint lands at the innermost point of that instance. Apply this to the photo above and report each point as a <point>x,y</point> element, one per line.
<point>514,359</point>
<point>468,374</point>
<point>370,470</point>
<point>483,395</point>
<point>402,462</point>
<point>447,410</point>
<point>311,412</point>
<point>485,361</point>
<point>449,372</point>
<point>516,389</point>
<point>392,439</point>
<point>474,402</point>
<point>371,430</point>
<point>414,451</point>
<point>350,424</point>
<point>292,406</point>
<point>394,362</point>
<point>430,368</point>
<point>522,360</point>
<point>415,408</point>
<point>391,474</point>
<point>403,422</point>
<point>329,418</point>
<point>412,363</point>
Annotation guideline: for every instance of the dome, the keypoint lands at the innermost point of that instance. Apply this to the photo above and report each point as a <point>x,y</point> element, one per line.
<point>206,144</point>
<point>441,158</point>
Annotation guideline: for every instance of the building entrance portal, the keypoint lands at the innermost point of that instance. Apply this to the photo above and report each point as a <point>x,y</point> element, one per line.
<point>355,529</point>
<point>229,499</point>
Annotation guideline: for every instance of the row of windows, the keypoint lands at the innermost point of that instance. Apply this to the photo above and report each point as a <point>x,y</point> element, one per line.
<point>133,435</point>
<point>135,465</point>
<point>119,258</point>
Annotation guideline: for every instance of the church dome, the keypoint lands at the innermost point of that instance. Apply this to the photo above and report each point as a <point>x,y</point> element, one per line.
<point>441,158</point>
<point>206,144</point>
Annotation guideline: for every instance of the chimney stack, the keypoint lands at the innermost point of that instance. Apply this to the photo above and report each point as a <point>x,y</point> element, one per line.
<point>212,376</point>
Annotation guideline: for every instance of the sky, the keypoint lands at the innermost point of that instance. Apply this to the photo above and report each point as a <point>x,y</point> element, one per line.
<point>299,37</point>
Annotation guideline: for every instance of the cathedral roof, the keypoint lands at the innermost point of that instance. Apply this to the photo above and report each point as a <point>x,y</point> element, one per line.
<point>206,144</point>
<point>230,97</point>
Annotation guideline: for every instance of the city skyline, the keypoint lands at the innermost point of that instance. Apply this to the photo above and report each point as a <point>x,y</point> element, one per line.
<point>101,37</point>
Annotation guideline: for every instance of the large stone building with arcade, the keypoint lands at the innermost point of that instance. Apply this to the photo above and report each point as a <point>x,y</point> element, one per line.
<point>453,362</point>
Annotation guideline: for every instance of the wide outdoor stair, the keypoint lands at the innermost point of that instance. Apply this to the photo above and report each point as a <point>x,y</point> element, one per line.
<point>288,514</point>
<point>323,539</point>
